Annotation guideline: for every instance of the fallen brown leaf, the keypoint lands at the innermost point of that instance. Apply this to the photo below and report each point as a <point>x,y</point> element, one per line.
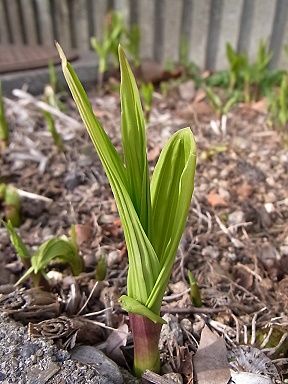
<point>216,200</point>
<point>210,361</point>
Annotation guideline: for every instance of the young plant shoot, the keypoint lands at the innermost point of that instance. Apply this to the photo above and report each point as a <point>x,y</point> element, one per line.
<point>62,249</point>
<point>153,211</point>
<point>4,131</point>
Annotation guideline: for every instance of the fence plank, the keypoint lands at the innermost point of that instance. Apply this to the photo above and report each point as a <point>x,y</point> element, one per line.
<point>62,23</point>
<point>45,23</point>
<point>262,24</point>
<point>15,21</point>
<point>4,36</point>
<point>100,10</point>
<point>276,42</point>
<point>82,27</point>
<point>199,31</point>
<point>122,6</point>
<point>283,58</point>
<point>213,33</point>
<point>245,26</point>
<point>29,22</point>
<point>146,22</point>
<point>229,31</point>
<point>172,30</point>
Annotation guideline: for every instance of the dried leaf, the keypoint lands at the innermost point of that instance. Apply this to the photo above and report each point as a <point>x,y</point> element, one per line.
<point>30,305</point>
<point>210,361</point>
<point>216,200</point>
<point>115,341</point>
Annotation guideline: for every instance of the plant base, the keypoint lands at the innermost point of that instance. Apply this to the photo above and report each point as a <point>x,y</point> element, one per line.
<point>146,336</point>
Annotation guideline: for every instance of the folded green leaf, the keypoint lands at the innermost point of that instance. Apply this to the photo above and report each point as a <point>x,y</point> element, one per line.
<point>144,264</point>
<point>20,247</point>
<point>133,306</point>
<point>134,143</point>
<point>172,186</point>
<point>56,249</point>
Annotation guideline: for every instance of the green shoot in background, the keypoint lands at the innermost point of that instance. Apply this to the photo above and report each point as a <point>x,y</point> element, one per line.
<point>146,92</point>
<point>62,249</point>
<point>195,294</point>
<point>107,46</point>
<point>4,130</point>
<point>48,117</point>
<point>153,211</point>
<point>11,201</point>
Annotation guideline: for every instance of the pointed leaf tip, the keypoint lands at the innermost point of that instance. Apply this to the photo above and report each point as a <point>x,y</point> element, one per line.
<point>61,53</point>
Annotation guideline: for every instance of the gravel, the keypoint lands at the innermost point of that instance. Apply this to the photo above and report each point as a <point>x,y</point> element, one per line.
<point>27,361</point>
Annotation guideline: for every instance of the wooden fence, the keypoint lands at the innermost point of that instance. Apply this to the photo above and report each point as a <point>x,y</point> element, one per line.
<point>206,24</point>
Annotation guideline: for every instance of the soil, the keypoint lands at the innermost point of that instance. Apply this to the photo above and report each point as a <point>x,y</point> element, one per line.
<point>235,241</point>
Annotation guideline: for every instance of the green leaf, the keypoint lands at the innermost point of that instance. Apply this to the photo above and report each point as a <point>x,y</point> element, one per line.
<point>134,143</point>
<point>19,246</point>
<point>172,186</point>
<point>56,249</point>
<point>4,131</point>
<point>133,306</point>
<point>143,262</point>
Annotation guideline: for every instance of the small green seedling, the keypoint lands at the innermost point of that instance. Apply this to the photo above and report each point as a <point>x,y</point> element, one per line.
<point>107,47</point>
<point>62,249</point>
<point>52,129</point>
<point>278,103</point>
<point>101,269</point>
<point>4,130</point>
<point>132,44</point>
<point>146,92</point>
<point>53,80</point>
<point>153,211</point>
<point>12,203</point>
<point>195,294</point>
<point>219,106</point>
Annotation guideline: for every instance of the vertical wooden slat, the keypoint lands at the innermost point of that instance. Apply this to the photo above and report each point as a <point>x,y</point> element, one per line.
<point>4,35</point>
<point>62,22</point>
<point>186,20</point>
<point>262,24</point>
<point>172,30</point>
<point>159,20</point>
<point>29,22</point>
<point>13,16</point>
<point>133,12</point>
<point>21,21</point>
<point>245,26</point>
<point>90,4</point>
<point>283,57</point>
<point>81,23</point>
<point>213,33</point>
<point>229,31</point>
<point>100,9</point>
<point>45,24</point>
<point>199,31</point>
<point>146,22</point>
<point>122,7</point>
<point>280,20</point>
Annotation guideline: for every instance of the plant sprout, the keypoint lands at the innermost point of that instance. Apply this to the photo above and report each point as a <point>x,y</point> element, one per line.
<point>4,131</point>
<point>153,211</point>
<point>52,129</point>
<point>146,92</point>
<point>62,249</point>
<point>12,203</point>
<point>113,30</point>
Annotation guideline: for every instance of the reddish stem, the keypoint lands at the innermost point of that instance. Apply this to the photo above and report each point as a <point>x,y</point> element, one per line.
<point>146,335</point>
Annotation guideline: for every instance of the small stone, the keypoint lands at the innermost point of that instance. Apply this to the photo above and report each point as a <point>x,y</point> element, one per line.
<point>73,179</point>
<point>236,217</point>
<point>187,90</point>
<point>210,251</point>
<point>173,377</point>
<point>92,356</point>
